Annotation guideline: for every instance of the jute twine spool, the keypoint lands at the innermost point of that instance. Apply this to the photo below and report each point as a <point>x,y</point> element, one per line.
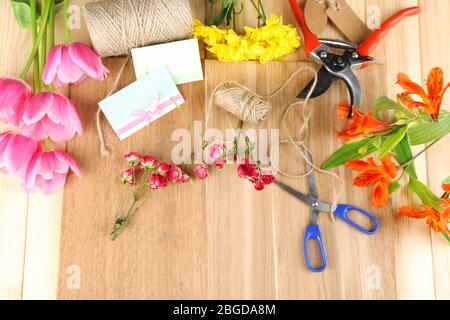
<point>117,26</point>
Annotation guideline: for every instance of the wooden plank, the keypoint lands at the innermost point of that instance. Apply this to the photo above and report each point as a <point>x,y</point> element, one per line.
<point>400,51</point>
<point>13,215</point>
<point>434,31</point>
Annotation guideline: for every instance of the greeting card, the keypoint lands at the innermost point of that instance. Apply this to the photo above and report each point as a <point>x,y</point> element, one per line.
<point>141,103</point>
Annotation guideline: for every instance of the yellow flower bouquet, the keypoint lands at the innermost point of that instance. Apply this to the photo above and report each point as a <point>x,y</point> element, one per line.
<point>273,41</point>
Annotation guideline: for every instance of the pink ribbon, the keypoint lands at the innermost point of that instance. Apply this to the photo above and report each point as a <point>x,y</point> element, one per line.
<point>146,115</point>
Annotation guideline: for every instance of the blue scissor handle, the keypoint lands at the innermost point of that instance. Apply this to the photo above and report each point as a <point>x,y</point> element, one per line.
<point>313,233</point>
<point>343,210</point>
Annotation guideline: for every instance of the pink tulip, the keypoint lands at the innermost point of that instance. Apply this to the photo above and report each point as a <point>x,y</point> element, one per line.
<point>127,177</point>
<point>14,93</point>
<point>51,115</point>
<point>48,171</point>
<point>72,63</point>
<point>163,169</point>
<point>16,152</point>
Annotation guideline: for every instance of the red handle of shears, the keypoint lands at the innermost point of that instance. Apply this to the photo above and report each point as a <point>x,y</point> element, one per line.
<point>311,40</point>
<point>371,43</point>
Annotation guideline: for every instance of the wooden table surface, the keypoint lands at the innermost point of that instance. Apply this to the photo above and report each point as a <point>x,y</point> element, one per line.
<point>30,225</point>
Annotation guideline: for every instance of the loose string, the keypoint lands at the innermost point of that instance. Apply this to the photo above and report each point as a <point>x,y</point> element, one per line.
<point>335,4</point>
<point>300,145</point>
<point>104,150</point>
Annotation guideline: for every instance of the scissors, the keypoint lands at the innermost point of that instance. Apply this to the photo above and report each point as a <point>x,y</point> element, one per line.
<point>336,66</point>
<point>342,212</point>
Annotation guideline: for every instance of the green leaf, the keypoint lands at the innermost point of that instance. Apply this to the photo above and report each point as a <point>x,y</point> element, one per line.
<point>392,141</point>
<point>395,185</point>
<point>350,152</point>
<point>403,153</point>
<point>447,237</point>
<point>425,194</point>
<point>423,133</point>
<point>384,104</point>
<point>446,181</point>
<point>22,12</point>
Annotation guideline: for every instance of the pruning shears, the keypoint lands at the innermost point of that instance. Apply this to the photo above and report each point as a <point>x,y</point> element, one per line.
<point>335,66</point>
<point>341,211</point>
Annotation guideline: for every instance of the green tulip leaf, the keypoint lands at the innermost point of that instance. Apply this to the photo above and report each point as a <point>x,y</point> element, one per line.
<point>22,12</point>
<point>354,151</point>
<point>392,141</point>
<point>425,194</point>
<point>426,132</point>
<point>403,153</point>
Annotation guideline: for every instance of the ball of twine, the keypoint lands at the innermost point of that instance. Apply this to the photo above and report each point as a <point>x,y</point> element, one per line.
<point>117,26</point>
<point>241,102</point>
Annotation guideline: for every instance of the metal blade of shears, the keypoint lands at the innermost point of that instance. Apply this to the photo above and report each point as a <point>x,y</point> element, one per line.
<point>324,82</point>
<point>297,194</point>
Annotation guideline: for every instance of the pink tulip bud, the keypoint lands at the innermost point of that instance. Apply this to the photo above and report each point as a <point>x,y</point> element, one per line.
<point>51,115</point>
<point>14,94</point>
<point>48,171</point>
<point>16,152</point>
<point>72,63</point>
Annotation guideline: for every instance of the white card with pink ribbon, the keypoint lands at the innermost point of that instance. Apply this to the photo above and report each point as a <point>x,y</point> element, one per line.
<point>141,103</point>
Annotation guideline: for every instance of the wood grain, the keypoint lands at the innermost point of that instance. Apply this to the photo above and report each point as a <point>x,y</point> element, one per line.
<point>29,226</point>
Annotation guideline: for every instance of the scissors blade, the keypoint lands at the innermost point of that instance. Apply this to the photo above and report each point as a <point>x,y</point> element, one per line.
<point>314,216</point>
<point>297,194</point>
<point>324,82</point>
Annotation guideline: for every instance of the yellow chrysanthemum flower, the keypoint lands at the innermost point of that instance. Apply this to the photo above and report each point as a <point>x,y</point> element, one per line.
<point>270,42</point>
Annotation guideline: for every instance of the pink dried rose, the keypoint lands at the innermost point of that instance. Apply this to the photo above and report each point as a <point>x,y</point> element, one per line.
<point>174,174</point>
<point>201,171</point>
<point>185,178</point>
<point>259,185</point>
<point>16,152</point>
<point>267,178</point>
<point>216,153</point>
<point>14,94</point>
<point>73,63</point>
<point>158,182</point>
<point>48,171</point>
<point>163,169</point>
<point>247,170</point>
<point>127,177</point>
<point>149,163</point>
<point>132,158</point>
<point>51,115</point>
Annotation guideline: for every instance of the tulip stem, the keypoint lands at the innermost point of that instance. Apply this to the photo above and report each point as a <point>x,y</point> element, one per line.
<point>36,83</point>
<point>34,51</point>
<point>43,57</point>
<point>66,20</point>
<point>51,23</point>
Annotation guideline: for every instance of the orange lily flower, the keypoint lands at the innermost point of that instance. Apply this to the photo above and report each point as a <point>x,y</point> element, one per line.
<point>373,174</point>
<point>361,126</point>
<point>431,99</point>
<point>438,221</point>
